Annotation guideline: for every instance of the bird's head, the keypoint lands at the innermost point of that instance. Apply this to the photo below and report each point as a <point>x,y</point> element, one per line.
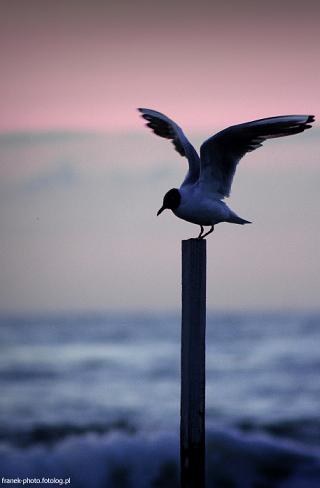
<point>171,200</point>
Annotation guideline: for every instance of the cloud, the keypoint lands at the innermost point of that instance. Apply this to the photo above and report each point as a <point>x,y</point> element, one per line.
<point>79,227</point>
<point>59,175</point>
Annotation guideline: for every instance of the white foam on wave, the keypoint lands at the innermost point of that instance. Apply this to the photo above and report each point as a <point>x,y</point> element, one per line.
<point>144,461</point>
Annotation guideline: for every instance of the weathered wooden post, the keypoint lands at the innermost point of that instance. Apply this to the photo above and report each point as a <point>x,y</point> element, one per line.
<point>192,421</point>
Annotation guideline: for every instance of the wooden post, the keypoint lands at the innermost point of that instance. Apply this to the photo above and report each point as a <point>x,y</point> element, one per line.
<point>192,421</point>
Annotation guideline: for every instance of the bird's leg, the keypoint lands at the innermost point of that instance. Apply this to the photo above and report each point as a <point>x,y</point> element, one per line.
<point>201,232</point>
<point>209,232</point>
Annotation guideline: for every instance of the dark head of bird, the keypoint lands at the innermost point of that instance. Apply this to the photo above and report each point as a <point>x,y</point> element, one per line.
<point>171,200</point>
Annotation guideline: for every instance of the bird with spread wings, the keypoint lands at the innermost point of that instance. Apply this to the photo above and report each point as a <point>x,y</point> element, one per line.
<point>199,199</point>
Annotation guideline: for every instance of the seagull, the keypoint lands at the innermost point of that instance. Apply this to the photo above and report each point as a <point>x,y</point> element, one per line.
<point>199,199</point>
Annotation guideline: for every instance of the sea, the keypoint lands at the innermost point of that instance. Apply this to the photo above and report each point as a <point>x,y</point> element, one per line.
<point>92,400</point>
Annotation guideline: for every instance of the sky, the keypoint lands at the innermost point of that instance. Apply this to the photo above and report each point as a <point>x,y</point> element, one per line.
<point>81,178</point>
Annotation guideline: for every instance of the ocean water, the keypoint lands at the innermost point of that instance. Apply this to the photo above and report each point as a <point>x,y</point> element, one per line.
<point>94,399</point>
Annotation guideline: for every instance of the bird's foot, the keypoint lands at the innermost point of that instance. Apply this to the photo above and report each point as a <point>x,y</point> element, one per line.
<point>200,236</point>
<point>207,233</point>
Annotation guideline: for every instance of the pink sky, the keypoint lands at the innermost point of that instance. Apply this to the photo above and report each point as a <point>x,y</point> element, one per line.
<point>88,64</point>
<point>78,210</point>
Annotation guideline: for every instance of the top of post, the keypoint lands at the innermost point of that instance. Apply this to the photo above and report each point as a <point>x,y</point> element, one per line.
<point>195,243</point>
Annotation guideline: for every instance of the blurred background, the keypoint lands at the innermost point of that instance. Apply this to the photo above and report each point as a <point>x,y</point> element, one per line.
<point>90,288</point>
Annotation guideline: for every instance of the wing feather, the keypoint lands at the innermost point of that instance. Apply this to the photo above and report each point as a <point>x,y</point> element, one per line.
<point>164,127</point>
<point>221,153</point>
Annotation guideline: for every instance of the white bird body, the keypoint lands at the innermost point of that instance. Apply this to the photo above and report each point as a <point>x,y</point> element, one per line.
<point>199,199</point>
<point>199,208</point>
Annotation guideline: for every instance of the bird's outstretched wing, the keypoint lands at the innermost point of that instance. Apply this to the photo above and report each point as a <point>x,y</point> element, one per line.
<point>221,153</point>
<point>165,127</point>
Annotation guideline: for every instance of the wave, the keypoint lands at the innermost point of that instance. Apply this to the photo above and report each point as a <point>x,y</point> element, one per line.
<point>120,460</point>
<point>304,430</point>
<point>51,434</point>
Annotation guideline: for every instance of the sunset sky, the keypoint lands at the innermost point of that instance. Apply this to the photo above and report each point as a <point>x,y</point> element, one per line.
<point>89,63</point>
<point>81,179</point>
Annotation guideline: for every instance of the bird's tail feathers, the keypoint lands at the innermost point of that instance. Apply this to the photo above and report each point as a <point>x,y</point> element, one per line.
<point>243,221</point>
<point>235,219</point>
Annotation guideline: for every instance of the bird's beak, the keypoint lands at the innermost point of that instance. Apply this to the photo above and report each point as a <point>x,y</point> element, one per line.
<point>161,210</point>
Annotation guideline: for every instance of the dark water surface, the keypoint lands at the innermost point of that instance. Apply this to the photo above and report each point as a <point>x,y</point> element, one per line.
<point>109,383</point>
